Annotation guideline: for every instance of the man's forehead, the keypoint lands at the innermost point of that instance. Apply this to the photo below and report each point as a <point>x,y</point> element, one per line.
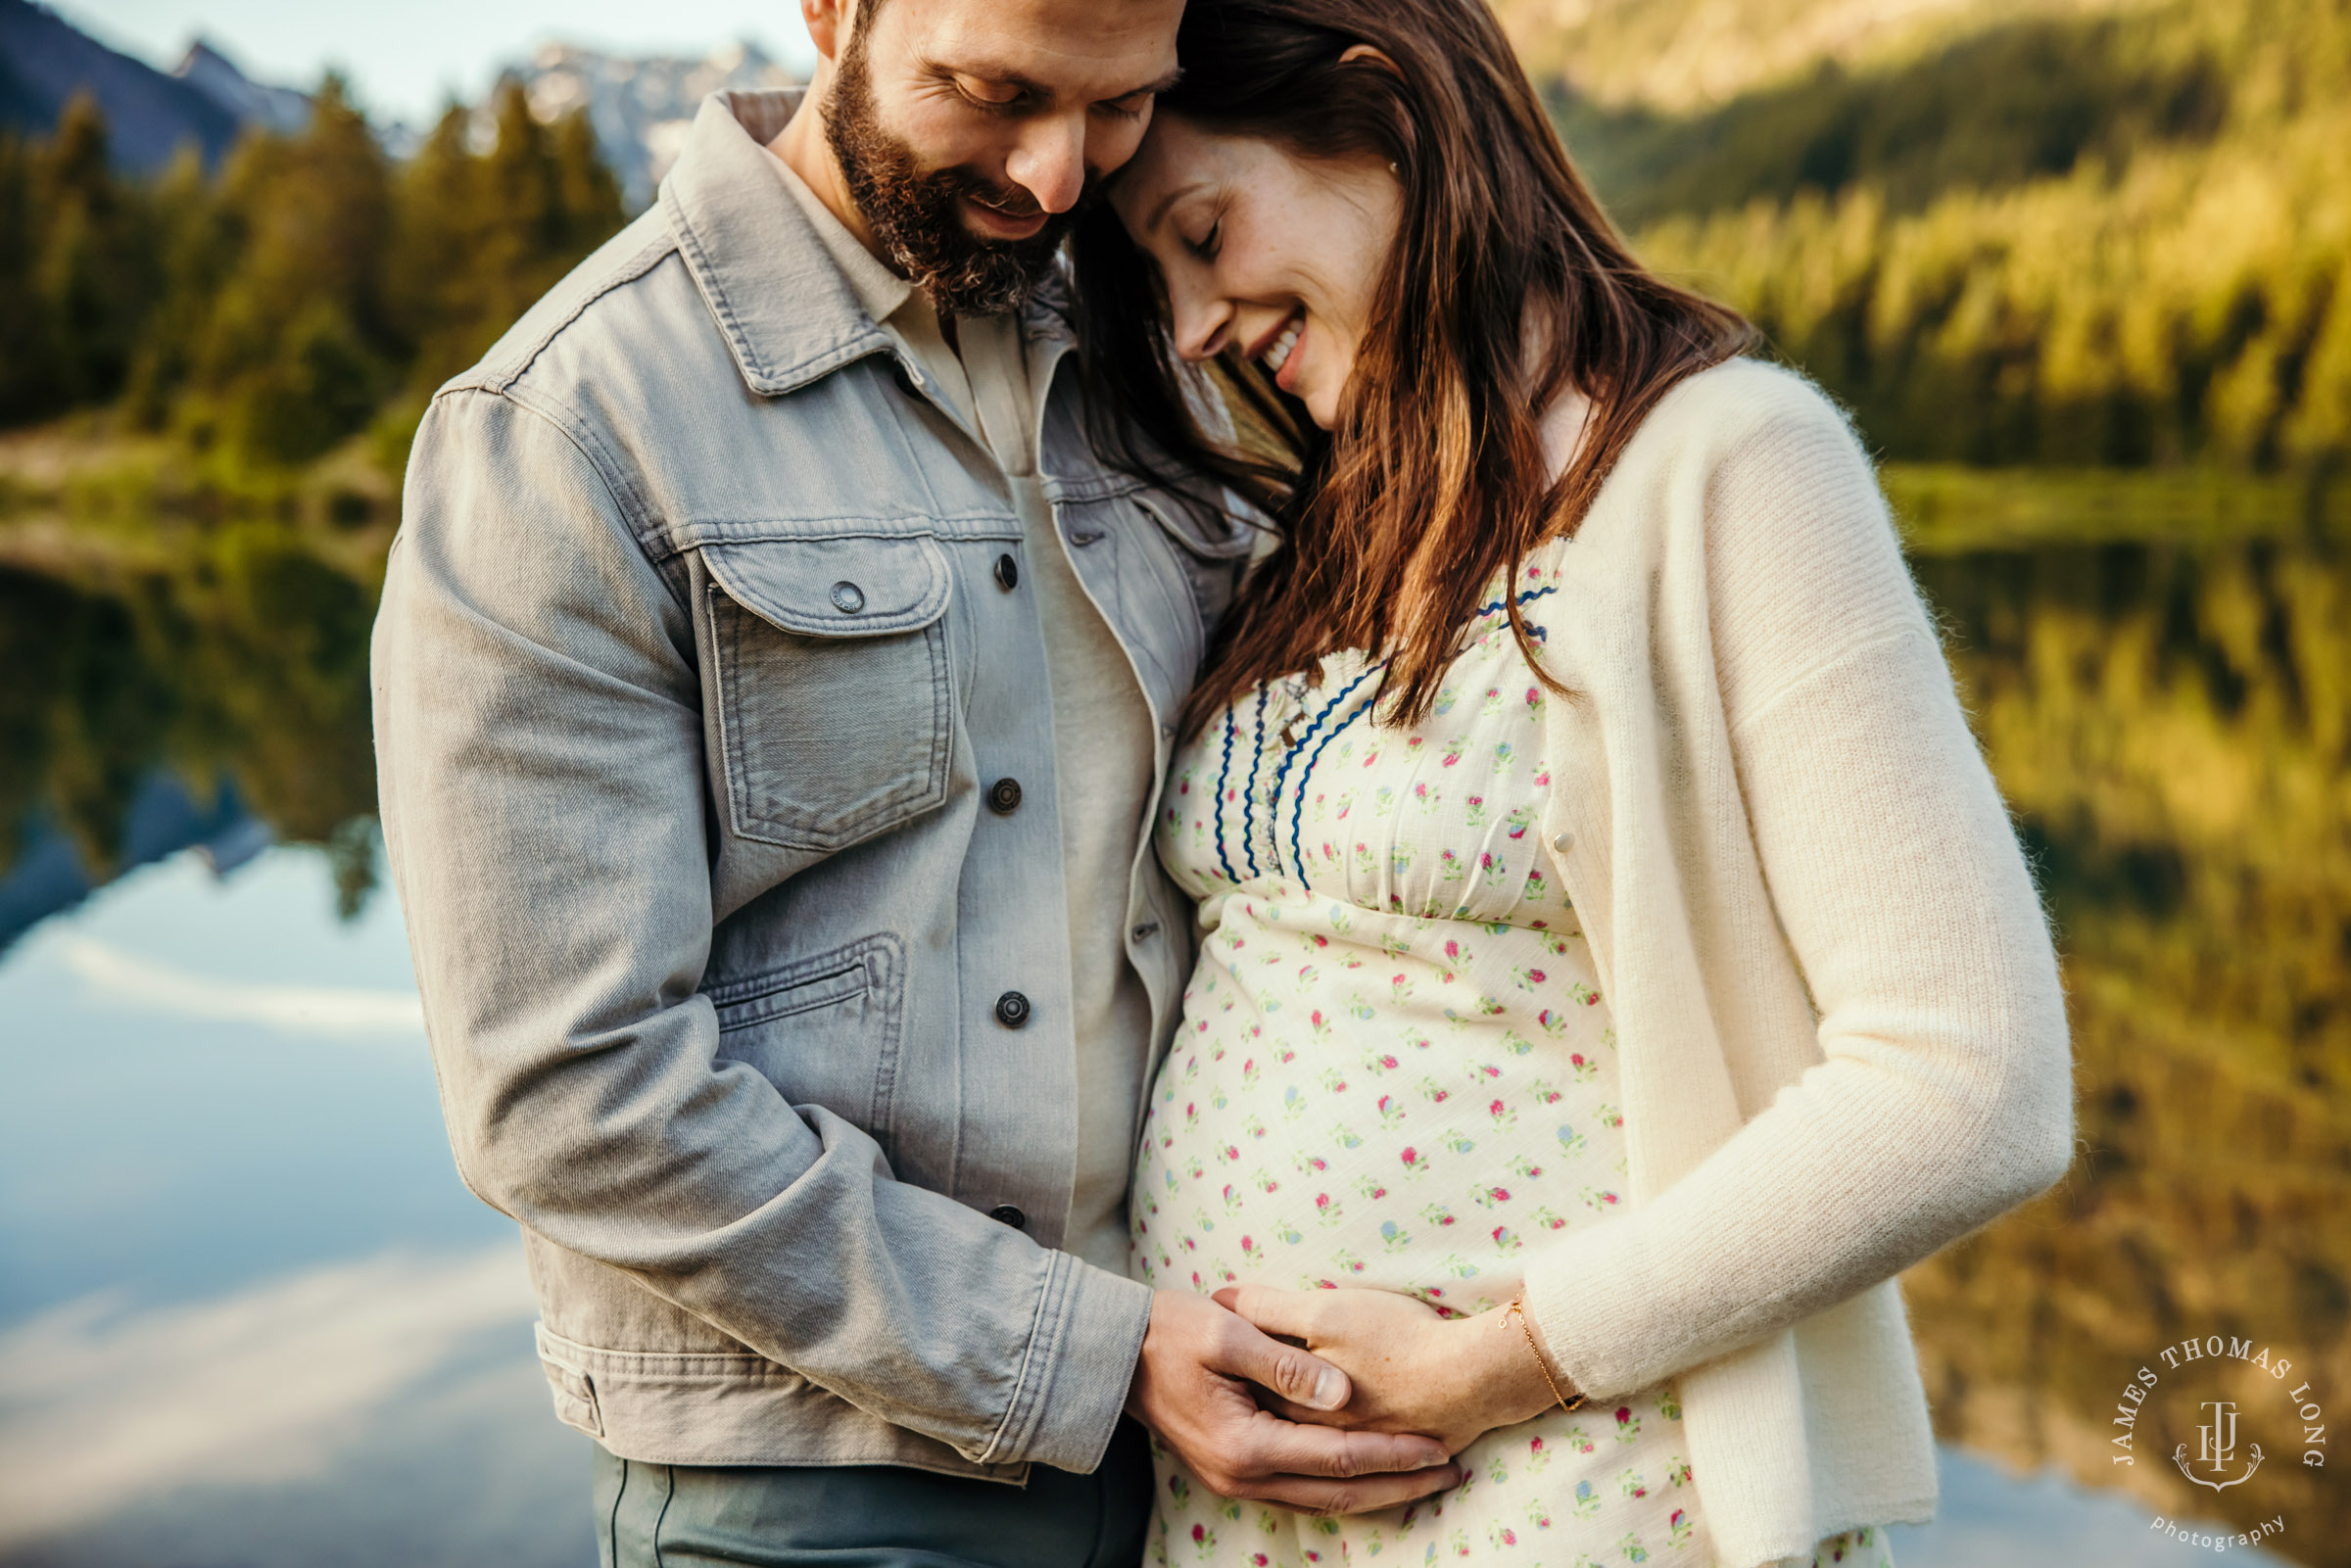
<point>1096,48</point>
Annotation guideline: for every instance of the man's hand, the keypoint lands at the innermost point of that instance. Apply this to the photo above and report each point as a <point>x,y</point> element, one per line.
<point>1409,1369</point>
<point>1192,1387</point>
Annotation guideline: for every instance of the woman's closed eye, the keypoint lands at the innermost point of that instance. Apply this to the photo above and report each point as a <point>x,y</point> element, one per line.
<point>1207,245</point>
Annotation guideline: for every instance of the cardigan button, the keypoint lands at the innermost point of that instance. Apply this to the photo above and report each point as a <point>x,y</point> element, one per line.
<point>1560,841</point>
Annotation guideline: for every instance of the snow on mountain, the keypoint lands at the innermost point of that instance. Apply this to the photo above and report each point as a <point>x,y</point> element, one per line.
<point>641,108</point>
<point>211,74</point>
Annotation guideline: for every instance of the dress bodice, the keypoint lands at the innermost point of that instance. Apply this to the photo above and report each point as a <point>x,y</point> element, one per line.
<point>1396,1070</point>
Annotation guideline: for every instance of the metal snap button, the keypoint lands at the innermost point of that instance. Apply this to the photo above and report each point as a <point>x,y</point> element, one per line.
<point>1012,1010</point>
<point>848,598</point>
<point>1009,1215</point>
<point>1145,931</point>
<point>1560,841</point>
<point>1005,796</point>
<point>1008,573</point>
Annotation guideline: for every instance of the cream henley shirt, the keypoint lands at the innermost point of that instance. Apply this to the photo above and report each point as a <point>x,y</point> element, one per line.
<point>1102,745</point>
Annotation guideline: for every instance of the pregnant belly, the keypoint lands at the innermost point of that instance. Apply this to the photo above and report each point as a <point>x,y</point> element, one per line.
<point>1261,1172</point>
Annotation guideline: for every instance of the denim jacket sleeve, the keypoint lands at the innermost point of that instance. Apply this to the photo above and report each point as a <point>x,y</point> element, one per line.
<point>539,741</point>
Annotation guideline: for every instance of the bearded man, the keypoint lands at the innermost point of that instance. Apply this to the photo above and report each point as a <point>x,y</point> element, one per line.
<point>772,691</point>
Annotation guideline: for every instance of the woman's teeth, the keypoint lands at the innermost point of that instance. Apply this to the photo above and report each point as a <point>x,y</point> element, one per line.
<point>1278,353</point>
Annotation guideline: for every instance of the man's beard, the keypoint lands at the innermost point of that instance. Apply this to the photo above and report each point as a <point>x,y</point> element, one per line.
<point>918,218</point>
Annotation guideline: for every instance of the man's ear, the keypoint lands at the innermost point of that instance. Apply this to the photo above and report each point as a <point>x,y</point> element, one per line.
<point>1370,52</point>
<point>828,22</point>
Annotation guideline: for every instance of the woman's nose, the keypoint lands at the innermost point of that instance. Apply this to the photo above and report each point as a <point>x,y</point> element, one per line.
<point>1049,161</point>
<point>1203,323</point>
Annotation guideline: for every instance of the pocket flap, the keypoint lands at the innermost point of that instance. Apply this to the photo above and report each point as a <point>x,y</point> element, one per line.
<point>1199,529</point>
<point>835,587</point>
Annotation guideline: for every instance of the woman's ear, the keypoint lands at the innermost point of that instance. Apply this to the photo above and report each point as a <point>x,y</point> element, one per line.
<point>1374,54</point>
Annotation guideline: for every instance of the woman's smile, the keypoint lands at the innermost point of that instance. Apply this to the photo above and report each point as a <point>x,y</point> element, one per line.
<point>1277,352</point>
<point>1262,256</point>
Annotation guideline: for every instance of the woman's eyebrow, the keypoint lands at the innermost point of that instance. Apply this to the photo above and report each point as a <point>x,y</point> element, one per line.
<point>1159,208</point>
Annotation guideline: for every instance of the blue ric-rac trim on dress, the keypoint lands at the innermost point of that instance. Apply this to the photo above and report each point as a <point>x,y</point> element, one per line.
<point>1257,760</point>
<point>1527,597</point>
<point>1217,807</point>
<point>1290,755</point>
<point>1298,807</point>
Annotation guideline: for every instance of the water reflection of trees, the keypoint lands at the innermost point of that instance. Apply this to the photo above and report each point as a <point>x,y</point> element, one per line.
<point>240,653</point>
<point>2172,726</point>
<point>2174,730</point>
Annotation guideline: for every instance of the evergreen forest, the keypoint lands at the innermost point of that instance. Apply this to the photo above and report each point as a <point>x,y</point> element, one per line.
<point>309,291</point>
<point>2108,235</point>
<point>2046,234</point>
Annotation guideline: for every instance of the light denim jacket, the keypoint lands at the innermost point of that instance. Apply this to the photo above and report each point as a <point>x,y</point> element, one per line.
<point>693,672</point>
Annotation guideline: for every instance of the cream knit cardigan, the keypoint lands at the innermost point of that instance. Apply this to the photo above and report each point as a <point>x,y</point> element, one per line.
<point>1843,1039</point>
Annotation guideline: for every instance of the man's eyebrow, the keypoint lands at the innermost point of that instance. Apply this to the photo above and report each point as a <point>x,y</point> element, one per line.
<point>1165,83</point>
<point>990,71</point>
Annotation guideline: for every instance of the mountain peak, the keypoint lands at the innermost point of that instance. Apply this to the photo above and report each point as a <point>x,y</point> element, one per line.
<point>216,76</point>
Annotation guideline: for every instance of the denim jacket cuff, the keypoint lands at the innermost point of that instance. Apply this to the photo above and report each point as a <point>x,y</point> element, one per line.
<point>1073,1389</point>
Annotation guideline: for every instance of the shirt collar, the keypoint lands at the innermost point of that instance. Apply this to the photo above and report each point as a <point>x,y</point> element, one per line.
<point>789,314</point>
<point>879,291</point>
<point>794,298</point>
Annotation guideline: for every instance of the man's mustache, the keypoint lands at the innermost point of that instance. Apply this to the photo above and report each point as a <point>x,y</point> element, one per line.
<point>1014,202</point>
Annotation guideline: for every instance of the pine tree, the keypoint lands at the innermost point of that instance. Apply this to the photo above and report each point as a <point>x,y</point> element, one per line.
<point>27,352</point>
<point>293,357</point>
<point>91,271</point>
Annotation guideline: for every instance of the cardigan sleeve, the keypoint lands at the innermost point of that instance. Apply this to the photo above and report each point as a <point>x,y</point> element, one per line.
<point>1944,1096</point>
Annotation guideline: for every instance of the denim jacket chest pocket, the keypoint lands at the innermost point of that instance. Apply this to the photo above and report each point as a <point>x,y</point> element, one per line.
<point>833,685</point>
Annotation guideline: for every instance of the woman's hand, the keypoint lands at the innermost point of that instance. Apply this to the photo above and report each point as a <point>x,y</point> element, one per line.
<point>1196,1386</point>
<point>1409,1368</point>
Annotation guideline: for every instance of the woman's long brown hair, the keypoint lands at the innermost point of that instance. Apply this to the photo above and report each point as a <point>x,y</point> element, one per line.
<point>1392,525</point>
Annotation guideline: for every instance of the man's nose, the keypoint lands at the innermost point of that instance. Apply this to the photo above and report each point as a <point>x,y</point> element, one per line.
<point>1049,164</point>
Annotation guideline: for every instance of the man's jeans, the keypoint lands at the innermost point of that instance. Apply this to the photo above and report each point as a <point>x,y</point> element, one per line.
<point>872,1516</point>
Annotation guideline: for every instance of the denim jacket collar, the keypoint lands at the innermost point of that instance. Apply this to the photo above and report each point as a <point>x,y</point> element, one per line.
<point>787,316</point>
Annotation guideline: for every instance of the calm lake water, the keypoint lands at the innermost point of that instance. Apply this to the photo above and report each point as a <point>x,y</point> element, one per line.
<point>247,1315</point>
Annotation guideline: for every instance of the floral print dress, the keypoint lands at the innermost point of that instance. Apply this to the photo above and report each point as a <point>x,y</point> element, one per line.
<point>1396,1070</point>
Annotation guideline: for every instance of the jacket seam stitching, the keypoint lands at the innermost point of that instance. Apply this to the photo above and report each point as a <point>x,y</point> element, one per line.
<point>1043,1332</point>
<point>563,418</point>
<point>697,258</point>
<point>629,271</point>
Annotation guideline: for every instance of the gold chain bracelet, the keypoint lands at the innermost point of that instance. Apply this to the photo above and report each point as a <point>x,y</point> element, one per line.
<point>1517,1310</point>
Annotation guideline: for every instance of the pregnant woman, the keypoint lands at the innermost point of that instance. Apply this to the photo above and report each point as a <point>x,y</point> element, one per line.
<point>1618,962</point>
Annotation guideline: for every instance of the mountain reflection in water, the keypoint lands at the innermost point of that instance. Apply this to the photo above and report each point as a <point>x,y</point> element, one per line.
<point>2172,726</point>
<point>2171,723</point>
<point>231,660</point>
